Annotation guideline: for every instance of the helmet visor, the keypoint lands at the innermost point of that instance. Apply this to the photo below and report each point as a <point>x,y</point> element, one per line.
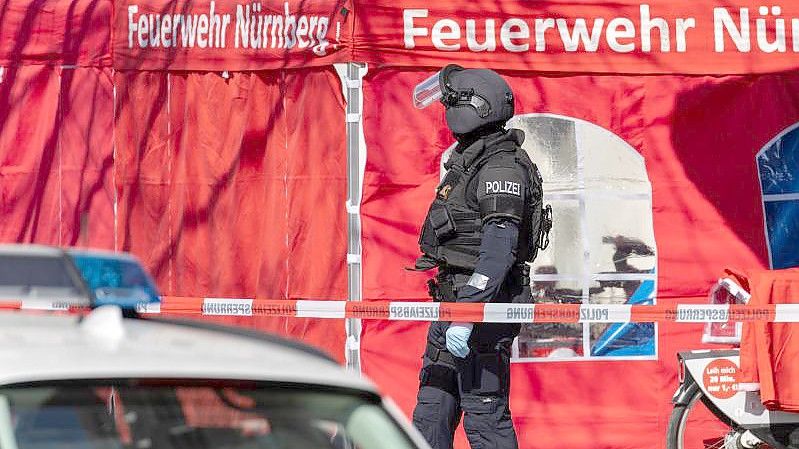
<point>427,92</point>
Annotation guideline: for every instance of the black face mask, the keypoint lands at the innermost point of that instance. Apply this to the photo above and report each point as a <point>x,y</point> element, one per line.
<point>464,140</point>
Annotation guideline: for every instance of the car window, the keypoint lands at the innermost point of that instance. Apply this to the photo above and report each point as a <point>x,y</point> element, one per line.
<point>149,415</point>
<point>28,275</point>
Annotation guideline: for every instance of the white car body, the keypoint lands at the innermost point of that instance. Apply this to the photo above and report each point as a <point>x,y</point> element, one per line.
<point>36,348</point>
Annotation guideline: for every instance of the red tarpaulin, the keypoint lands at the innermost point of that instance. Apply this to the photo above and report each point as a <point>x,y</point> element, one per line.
<point>224,167</point>
<point>707,215</point>
<point>52,32</point>
<point>224,189</point>
<point>57,156</point>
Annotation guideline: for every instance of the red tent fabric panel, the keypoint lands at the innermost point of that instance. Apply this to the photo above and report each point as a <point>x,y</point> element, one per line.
<point>30,192</point>
<point>699,137</point>
<point>142,164</point>
<point>56,152</point>
<point>702,135</point>
<point>87,158</point>
<point>221,181</point>
<point>56,32</point>
<point>316,184</point>
<point>226,191</point>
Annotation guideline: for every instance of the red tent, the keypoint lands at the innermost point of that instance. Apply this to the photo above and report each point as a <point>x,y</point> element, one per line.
<point>239,152</point>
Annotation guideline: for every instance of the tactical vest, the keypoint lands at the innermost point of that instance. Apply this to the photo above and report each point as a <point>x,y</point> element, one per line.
<point>452,231</point>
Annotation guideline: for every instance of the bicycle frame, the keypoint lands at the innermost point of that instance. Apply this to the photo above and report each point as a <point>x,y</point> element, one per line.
<point>715,373</point>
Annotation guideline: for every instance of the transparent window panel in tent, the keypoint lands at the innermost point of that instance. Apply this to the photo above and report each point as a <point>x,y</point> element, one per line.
<point>550,341</point>
<point>778,168</point>
<point>621,238</point>
<point>782,225</point>
<point>610,163</point>
<point>778,165</point>
<point>564,255</point>
<point>622,339</point>
<point>551,144</point>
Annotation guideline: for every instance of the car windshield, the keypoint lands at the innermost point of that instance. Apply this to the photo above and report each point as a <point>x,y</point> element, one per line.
<point>170,415</point>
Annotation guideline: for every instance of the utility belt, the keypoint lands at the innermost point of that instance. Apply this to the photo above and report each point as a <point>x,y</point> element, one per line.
<point>437,355</point>
<point>443,287</point>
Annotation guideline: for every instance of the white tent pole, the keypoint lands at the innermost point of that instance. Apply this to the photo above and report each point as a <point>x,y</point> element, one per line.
<point>351,75</point>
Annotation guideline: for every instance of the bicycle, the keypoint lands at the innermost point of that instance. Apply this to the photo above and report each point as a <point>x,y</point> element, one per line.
<point>711,408</point>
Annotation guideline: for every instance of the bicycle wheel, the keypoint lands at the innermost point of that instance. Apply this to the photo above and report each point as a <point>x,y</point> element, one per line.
<point>696,426</point>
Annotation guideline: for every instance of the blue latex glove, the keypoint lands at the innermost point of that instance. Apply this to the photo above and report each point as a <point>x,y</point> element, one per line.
<point>458,339</point>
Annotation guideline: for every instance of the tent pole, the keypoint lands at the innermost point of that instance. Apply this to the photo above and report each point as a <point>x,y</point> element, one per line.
<point>351,75</point>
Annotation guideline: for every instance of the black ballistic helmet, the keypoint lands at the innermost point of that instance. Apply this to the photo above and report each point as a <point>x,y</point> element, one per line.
<point>474,98</point>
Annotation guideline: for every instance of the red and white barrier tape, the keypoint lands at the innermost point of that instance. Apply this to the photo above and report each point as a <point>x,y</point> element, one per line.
<point>431,311</point>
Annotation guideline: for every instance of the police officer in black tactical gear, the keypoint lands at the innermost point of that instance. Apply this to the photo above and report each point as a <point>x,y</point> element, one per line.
<point>485,223</point>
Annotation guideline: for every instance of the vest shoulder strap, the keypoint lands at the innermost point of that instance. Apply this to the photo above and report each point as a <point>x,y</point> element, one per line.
<point>503,147</point>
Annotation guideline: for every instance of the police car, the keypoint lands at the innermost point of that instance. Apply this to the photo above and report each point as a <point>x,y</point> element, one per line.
<point>41,277</point>
<point>101,380</point>
<point>51,278</point>
<point>104,381</point>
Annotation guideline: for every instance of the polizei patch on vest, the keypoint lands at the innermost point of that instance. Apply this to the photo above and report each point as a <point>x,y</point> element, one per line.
<point>413,311</point>
<point>506,187</point>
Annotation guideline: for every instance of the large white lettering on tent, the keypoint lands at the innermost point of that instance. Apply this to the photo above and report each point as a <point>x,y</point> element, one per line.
<point>620,34</point>
<point>740,31</point>
<point>252,28</point>
<point>764,29</point>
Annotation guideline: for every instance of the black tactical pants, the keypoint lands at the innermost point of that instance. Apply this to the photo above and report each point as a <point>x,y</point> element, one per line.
<point>477,387</point>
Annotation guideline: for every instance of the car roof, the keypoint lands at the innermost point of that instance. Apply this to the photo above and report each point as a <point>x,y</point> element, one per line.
<point>100,253</point>
<point>102,345</point>
<point>30,250</point>
<point>25,249</point>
